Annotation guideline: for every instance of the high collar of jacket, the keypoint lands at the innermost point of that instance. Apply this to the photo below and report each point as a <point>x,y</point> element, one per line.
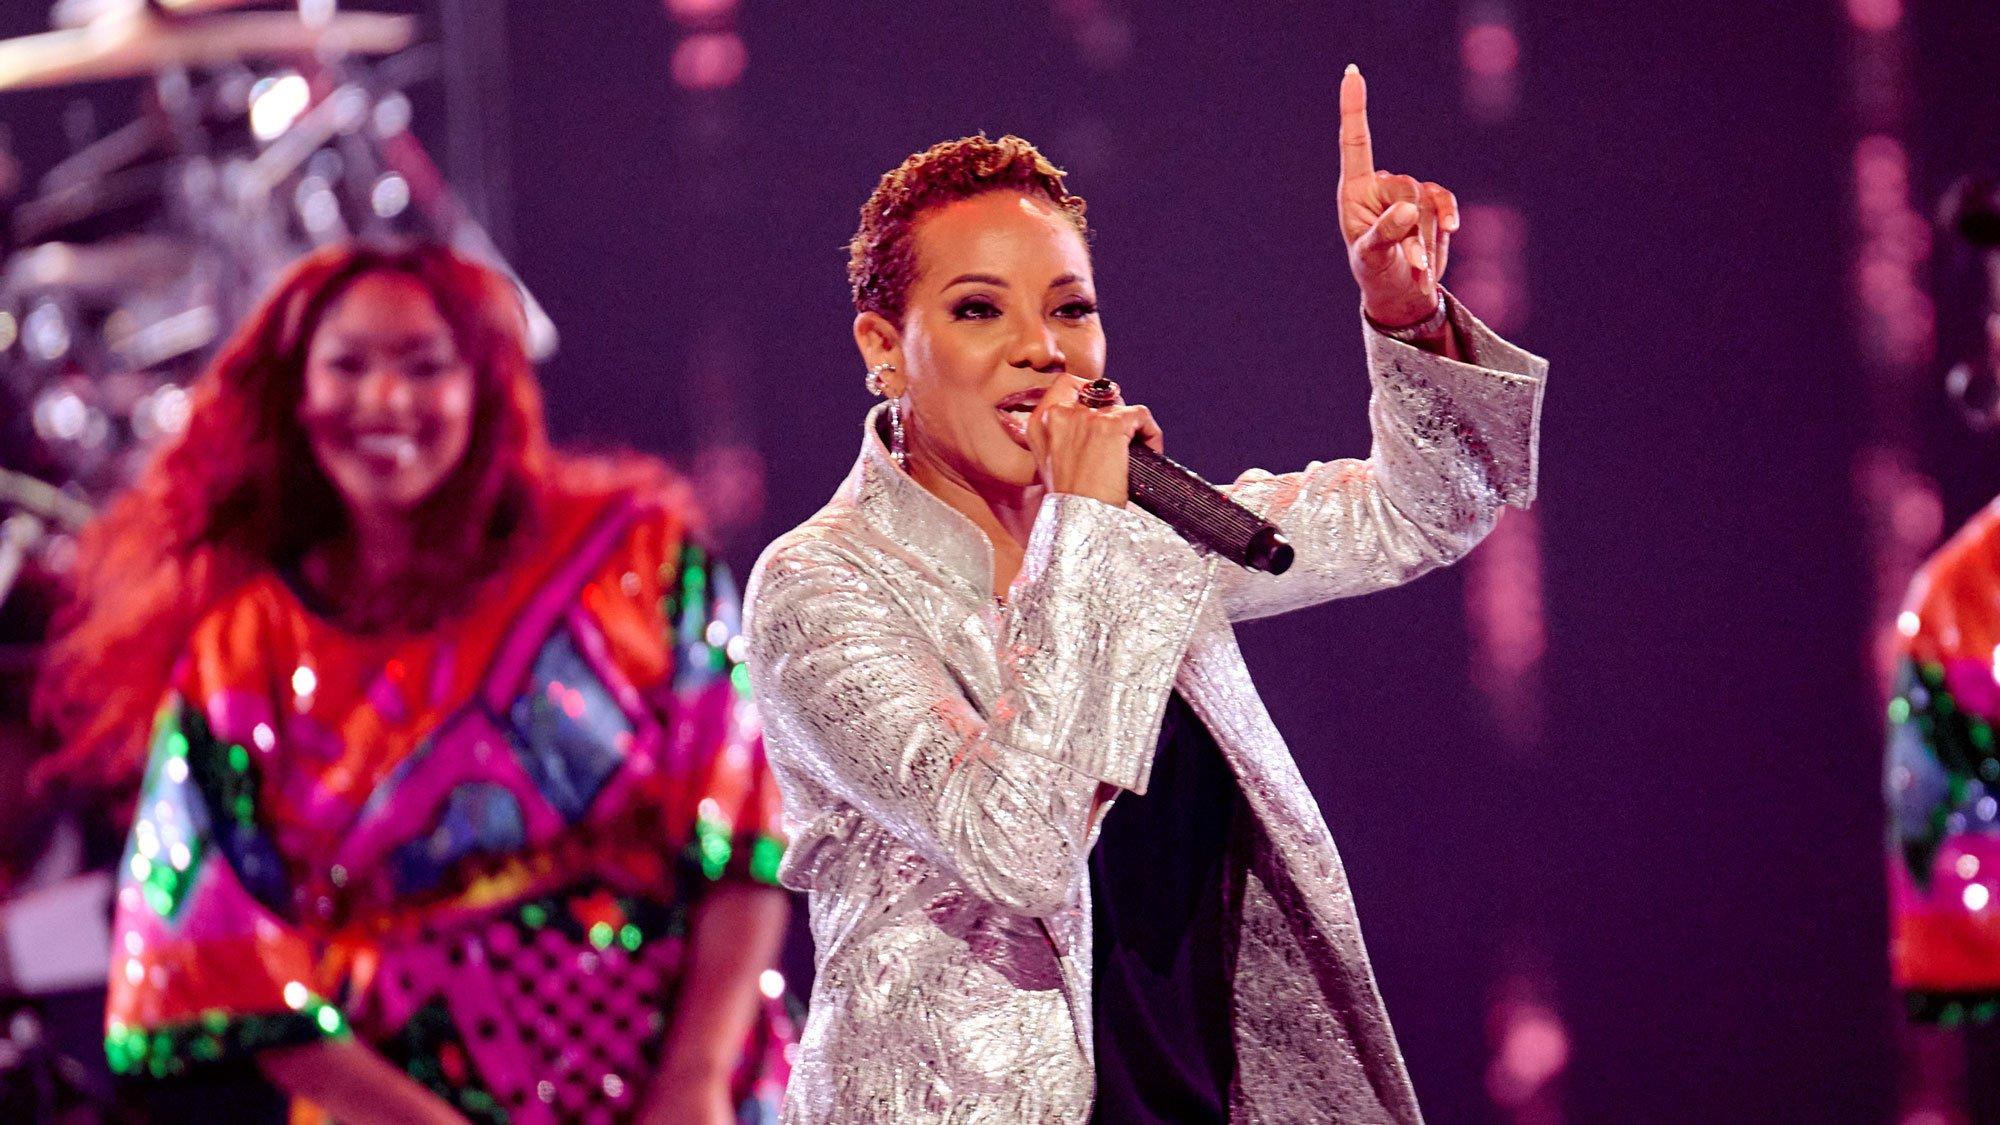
<point>908,514</point>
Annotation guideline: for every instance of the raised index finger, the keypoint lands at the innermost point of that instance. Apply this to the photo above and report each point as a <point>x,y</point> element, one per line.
<point>1357,154</point>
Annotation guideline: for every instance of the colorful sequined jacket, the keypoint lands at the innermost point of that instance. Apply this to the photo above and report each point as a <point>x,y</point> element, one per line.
<point>1943,783</point>
<point>940,752</point>
<point>476,846</point>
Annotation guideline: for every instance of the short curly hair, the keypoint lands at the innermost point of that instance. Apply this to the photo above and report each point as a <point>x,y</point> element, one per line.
<point>882,255</point>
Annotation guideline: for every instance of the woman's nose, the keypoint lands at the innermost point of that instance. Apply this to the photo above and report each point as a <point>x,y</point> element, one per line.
<point>384,389</point>
<point>1036,346</point>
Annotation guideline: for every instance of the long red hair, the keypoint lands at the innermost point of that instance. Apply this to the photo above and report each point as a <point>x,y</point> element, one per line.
<point>238,493</point>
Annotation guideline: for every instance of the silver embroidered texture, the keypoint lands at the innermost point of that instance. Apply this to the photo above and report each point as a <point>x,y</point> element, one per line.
<point>941,757</point>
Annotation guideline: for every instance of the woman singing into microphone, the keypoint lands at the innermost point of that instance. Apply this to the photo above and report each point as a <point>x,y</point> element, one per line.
<point>1058,856</point>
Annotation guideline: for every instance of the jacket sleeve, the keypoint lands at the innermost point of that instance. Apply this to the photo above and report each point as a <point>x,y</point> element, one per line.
<point>735,835</point>
<point>1452,443</point>
<point>211,964</point>
<point>856,696</point>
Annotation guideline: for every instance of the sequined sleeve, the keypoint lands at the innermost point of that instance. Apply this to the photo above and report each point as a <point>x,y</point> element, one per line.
<point>857,698</point>
<point>207,965</point>
<point>737,829</point>
<point>1452,443</point>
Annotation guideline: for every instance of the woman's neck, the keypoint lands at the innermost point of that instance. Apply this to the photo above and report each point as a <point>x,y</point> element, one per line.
<point>1005,515</point>
<point>379,548</point>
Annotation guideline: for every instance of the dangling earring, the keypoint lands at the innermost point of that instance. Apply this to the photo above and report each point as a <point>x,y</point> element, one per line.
<point>873,380</point>
<point>898,448</point>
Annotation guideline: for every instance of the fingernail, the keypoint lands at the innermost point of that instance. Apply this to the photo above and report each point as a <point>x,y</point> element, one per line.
<point>1352,69</point>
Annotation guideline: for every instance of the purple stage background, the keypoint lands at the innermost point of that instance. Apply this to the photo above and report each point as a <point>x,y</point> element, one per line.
<point>1688,861</point>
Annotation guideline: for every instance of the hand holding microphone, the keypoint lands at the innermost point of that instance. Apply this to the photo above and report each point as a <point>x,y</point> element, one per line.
<point>1077,433</point>
<point>1081,446</point>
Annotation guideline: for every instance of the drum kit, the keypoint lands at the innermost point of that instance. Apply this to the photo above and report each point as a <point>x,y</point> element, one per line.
<point>260,134</point>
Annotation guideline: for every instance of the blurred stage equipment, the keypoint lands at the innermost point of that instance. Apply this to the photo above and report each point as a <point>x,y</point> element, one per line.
<point>262,134</point>
<point>128,42</point>
<point>54,946</point>
<point>1971,210</point>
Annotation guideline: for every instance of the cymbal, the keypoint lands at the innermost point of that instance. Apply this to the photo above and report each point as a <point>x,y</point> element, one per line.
<point>76,13</point>
<point>109,267</point>
<point>129,46</point>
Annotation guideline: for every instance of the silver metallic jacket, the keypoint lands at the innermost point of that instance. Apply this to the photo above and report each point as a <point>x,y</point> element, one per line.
<point>939,755</point>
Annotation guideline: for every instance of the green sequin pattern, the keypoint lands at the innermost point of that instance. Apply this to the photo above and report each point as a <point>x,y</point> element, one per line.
<point>197,778</point>
<point>716,853</point>
<point>1962,744</point>
<point>1953,1009</point>
<point>631,922</point>
<point>430,1049</point>
<point>168,1052</point>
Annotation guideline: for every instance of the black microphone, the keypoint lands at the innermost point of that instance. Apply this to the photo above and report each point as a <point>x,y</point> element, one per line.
<point>1192,506</point>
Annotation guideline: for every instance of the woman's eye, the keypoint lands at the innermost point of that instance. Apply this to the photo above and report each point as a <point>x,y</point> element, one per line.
<point>1077,310</point>
<point>423,369</point>
<point>349,365</point>
<point>975,308</point>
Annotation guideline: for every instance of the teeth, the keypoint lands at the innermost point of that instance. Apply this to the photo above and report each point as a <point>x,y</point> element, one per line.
<point>402,449</point>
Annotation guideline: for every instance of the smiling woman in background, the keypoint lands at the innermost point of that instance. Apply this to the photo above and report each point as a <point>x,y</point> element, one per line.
<point>455,807</point>
<point>977,657</point>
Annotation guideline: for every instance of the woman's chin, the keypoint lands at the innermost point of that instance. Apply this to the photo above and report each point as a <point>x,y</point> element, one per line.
<point>1010,466</point>
<point>994,465</point>
<point>380,499</point>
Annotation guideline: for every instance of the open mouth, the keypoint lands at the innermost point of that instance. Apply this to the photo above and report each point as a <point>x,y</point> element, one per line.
<point>1014,411</point>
